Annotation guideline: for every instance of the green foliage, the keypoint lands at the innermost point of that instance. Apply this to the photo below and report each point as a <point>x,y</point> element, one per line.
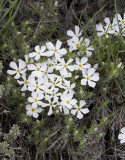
<point>5,146</point>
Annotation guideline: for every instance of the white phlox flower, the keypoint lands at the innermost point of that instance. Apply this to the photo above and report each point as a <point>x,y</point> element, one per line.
<point>69,87</point>
<point>51,104</point>
<point>36,99</point>
<point>56,50</point>
<point>38,69</point>
<point>91,77</point>
<point>82,64</point>
<point>54,82</point>
<point>77,32</point>
<point>52,64</point>
<point>63,77</point>
<point>102,30</point>
<point>38,52</point>
<point>75,43</point>
<point>121,136</point>
<point>87,48</point>
<point>63,66</point>
<point>79,109</point>
<point>33,111</point>
<point>25,82</point>
<point>53,94</point>
<point>121,20</point>
<point>17,70</point>
<point>36,85</point>
<point>110,26</point>
<point>47,74</point>
<point>67,100</point>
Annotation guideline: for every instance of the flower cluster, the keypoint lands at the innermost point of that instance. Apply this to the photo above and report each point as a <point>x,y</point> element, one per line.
<point>116,27</point>
<point>50,81</point>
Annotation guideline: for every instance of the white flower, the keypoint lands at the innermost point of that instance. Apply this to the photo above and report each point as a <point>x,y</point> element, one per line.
<point>77,33</point>
<point>39,52</point>
<point>121,20</point>
<point>36,85</point>
<point>75,43</point>
<point>17,70</point>
<point>54,82</point>
<point>67,100</point>
<point>87,48</point>
<point>53,94</point>
<point>56,49</point>
<point>52,64</point>
<point>102,30</point>
<point>37,69</point>
<point>81,64</point>
<point>24,82</point>
<point>33,111</point>
<point>110,26</point>
<point>51,105</point>
<point>36,99</point>
<point>63,77</point>
<point>90,77</point>
<point>63,66</point>
<point>121,136</point>
<point>69,87</point>
<point>80,110</point>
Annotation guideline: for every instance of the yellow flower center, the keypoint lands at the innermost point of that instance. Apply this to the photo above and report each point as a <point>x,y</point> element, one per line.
<point>51,104</point>
<point>33,110</point>
<point>77,45</point>
<point>88,78</point>
<point>37,86</point>
<point>35,100</point>
<point>53,94</point>
<point>111,26</point>
<point>123,22</point>
<point>80,65</point>
<point>55,50</point>
<point>105,32</point>
<point>54,83</point>
<point>78,109</point>
<point>46,73</point>
<point>62,77</point>
<point>67,102</point>
<point>55,64</point>
<point>50,65</point>
<point>65,66</point>
<point>18,70</point>
<point>25,82</point>
<point>38,69</point>
<point>38,53</point>
<point>85,49</point>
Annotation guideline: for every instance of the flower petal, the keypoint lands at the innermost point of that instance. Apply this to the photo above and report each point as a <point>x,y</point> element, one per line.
<point>82,103</point>
<point>74,111</point>
<point>91,84</point>
<point>13,65</point>
<point>79,115</point>
<point>50,46</point>
<point>58,44</point>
